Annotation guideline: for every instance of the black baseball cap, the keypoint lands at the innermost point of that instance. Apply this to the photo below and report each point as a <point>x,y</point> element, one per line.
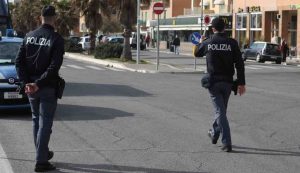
<point>218,24</point>
<point>48,10</point>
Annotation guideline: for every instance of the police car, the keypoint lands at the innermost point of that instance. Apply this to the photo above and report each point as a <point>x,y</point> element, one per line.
<point>9,97</point>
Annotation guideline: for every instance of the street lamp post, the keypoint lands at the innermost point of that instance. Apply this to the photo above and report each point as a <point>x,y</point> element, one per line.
<point>138,32</point>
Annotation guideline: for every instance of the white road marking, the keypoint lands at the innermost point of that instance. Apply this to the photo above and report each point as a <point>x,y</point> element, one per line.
<point>94,67</point>
<point>62,67</point>
<point>253,68</point>
<point>4,163</point>
<point>76,67</point>
<point>261,66</point>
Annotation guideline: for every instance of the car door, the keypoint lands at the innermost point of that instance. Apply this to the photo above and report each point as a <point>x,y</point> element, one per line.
<point>251,53</point>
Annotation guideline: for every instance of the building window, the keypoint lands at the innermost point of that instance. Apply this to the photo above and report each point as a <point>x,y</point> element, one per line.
<point>256,19</point>
<point>241,21</point>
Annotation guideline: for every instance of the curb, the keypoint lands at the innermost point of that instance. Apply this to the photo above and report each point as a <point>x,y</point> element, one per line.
<point>82,57</point>
<point>104,62</point>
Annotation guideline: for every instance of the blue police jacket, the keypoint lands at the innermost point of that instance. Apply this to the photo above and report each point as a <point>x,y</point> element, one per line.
<point>222,56</point>
<point>40,57</point>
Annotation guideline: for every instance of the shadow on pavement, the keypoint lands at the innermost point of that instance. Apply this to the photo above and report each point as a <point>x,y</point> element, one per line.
<point>17,114</point>
<point>106,168</point>
<point>78,113</point>
<point>89,89</point>
<point>264,151</point>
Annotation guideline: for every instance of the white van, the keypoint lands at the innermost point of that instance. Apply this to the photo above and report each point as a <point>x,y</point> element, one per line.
<point>85,42</point>
<point>133,40</point>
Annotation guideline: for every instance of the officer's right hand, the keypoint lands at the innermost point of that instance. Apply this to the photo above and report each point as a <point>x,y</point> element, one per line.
<point>31,88</point>
<point>202,39</point>
<point>241,89</point>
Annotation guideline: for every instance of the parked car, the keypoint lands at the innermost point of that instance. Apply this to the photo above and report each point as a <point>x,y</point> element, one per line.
<point>116,39</point>
<point>85,42</point>
<point>72,44</point>
<point>263,51</point>
<point>9,97</point>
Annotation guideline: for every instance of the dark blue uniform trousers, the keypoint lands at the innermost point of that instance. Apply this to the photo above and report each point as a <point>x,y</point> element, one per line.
<point>220,93</point>
<point>43,105</point>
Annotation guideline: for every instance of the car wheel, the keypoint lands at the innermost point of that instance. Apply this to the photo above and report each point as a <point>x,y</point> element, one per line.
<point>258,58</point>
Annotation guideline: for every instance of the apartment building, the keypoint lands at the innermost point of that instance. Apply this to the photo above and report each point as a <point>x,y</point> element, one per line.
<point>183,17</point>
<point>268,20</point>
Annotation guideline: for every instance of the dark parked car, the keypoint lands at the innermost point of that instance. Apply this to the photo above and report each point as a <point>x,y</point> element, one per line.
<point>9,97</point>
<point>263,51</point>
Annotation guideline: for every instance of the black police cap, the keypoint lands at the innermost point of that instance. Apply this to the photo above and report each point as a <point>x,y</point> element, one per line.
<point>218,24</point>
<point>48,10</point>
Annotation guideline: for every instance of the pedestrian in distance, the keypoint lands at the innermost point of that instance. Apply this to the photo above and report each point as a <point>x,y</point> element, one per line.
<point>176,44</point>
<point>284,48</point>
<point>148,40</point>
<point>37,63</point>
<point>222,56</point>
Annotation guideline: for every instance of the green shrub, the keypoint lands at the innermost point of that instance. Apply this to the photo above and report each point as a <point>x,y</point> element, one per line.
<point>72,47</point>
<point>108,50</point>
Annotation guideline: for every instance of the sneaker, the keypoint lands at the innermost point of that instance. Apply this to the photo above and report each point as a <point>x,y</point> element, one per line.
<point>44,167</point>
<point>226,148</point>
<point>50,155</point>
<point>213,139</point>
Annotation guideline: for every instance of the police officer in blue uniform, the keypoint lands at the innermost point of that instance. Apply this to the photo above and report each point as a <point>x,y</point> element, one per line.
<point>38,62</point>
<point>222,56</point>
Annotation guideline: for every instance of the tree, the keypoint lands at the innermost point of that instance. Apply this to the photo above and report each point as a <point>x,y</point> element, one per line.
<point>93,18</point>
<point>26,15</point>
<point>127,15</point>
<point>67,17</point>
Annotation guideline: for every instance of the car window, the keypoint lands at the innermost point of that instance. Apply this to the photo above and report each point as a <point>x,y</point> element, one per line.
<point>260,45</point>
<point>253,46</point>
<point>272,47</point>
<point>8,51</point>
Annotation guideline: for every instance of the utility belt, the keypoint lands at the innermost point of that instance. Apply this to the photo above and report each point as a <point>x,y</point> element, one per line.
<point>221,78</point>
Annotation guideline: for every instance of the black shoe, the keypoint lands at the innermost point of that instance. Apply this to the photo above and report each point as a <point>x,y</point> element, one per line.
<point>226,148</point>
<point>50,155</point>
<point>44,167</point>
<point>213,139</point>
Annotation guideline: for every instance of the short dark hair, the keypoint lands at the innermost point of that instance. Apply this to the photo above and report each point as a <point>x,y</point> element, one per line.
<point>218,24</point>
<point>48,10</point>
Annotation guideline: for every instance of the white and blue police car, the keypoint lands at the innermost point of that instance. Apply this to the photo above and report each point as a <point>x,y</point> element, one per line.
<point>9,97</point>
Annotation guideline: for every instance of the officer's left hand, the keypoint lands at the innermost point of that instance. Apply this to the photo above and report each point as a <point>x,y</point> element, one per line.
<point>31,88</point>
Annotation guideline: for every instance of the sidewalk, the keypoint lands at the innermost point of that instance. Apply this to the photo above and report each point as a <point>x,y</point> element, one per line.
<point>150,67</point>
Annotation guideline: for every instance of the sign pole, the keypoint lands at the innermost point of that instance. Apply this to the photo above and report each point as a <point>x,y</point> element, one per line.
<point>157,43</point>
<point>138,34</point>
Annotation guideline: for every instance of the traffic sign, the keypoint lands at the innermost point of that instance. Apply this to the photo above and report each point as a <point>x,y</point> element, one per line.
<point>196,38</point>
<point>158,8</point>
<point>207,20</point>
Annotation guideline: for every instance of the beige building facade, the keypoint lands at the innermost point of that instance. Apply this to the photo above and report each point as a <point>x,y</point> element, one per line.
<point>267,20</point>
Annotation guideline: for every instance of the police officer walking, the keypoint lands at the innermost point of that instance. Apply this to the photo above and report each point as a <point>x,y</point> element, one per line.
<point>222,56</point>
<point>38,62</point>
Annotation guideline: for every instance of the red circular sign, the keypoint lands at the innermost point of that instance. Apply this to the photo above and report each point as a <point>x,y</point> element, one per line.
<point>158,8</point>
<point>207,20</point>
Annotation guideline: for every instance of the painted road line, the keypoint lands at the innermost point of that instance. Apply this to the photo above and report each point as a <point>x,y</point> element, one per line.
<point>62,67</point>
<point>253,68</point>
<point>4,163</point>
<point>262,66</point>
<point>76,67</point>
<point>94,67</point>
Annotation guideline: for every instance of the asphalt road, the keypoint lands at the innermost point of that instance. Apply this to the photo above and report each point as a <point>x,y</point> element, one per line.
<point>114,121</point>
